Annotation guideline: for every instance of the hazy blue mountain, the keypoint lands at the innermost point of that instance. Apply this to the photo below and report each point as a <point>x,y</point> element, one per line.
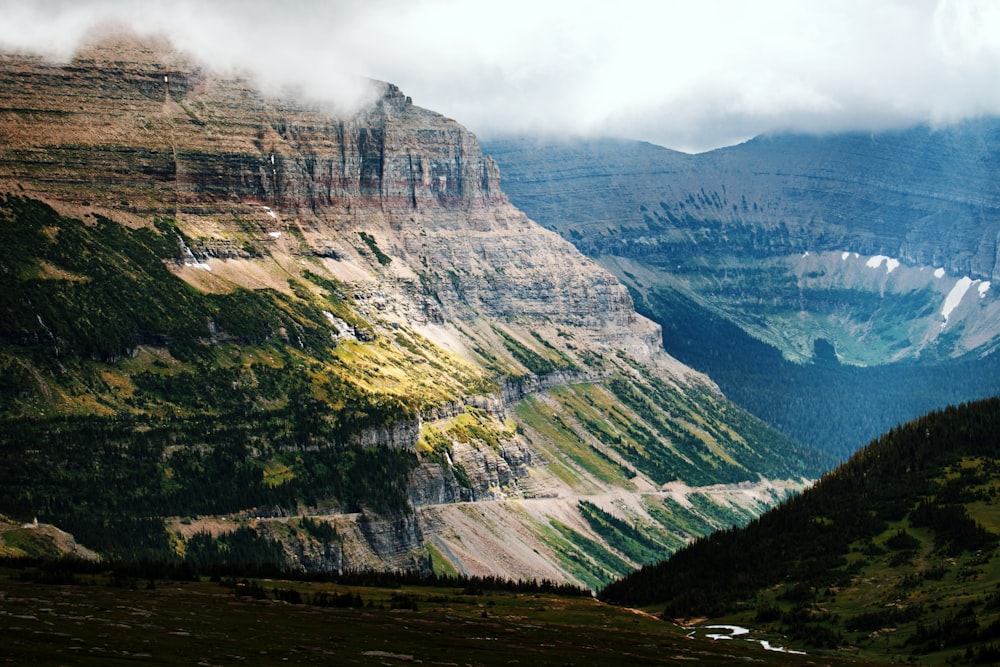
<point>845,276</point>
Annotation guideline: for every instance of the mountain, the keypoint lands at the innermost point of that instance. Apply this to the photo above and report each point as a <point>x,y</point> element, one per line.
<point>238,327</point>
<point>893,553</point>
<point>849,272</point>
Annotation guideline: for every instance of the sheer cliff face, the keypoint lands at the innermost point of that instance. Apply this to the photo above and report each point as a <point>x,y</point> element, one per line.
<point>148,133</point>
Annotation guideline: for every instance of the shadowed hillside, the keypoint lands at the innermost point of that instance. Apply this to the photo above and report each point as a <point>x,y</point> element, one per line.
<point>902,536</point>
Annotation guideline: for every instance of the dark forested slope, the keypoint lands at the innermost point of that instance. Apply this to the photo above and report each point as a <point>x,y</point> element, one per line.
<point>903,535</point>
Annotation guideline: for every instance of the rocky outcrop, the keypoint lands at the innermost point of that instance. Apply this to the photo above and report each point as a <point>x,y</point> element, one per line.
<point>401,434</point>
<point>393,539</point>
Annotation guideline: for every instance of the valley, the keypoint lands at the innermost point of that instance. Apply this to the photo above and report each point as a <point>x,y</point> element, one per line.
<point>313,373</point>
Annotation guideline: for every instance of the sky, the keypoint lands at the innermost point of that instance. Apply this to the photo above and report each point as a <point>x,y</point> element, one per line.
<point>687,74</point>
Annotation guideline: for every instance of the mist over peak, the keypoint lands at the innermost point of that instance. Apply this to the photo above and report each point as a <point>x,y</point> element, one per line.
<point>690,76</point>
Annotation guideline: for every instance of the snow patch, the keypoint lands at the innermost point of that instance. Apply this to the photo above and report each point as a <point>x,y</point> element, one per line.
<point>734,631</point>
<point>939,273</point>
<point>269,212</point>
<point>955,297</point>
<point>778,649</point>
<point>984,287</point>
<point>890,263</point>
<point>805,254</point>
<point>844,256</point>
<point>274,235</point>
<point>199,265</point>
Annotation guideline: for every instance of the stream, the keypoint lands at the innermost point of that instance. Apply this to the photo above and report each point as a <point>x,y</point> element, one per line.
<point>729,632</point>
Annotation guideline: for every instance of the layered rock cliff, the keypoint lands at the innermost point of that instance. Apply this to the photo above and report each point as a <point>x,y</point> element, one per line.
<point>162,137</point>
<point>367,332</point>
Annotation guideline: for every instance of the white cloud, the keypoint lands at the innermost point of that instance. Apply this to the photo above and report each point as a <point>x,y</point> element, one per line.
<point>690,75</point>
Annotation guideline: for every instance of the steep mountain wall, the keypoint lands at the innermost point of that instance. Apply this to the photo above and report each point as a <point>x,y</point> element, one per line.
<point>929,197</point>
<point>795,237</point>
<point>231,166</point>
<point>850,276</point>
<point>302,314</point>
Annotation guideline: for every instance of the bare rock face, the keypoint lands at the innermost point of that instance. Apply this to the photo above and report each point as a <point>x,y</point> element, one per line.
<point>162,137</point>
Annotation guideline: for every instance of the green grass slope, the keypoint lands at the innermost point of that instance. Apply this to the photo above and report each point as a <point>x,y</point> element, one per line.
<point>892,554</point>
<point>128,394</point>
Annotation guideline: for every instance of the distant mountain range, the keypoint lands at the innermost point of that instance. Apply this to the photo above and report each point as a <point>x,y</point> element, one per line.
<point>834,285</point>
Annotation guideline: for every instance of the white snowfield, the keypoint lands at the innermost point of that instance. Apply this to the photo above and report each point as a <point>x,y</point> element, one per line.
<point>876,261</point>
<point>955,297</point>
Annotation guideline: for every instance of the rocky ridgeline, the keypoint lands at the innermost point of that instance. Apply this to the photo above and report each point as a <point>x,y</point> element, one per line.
<point>119,133</point>
<point>928,197</point>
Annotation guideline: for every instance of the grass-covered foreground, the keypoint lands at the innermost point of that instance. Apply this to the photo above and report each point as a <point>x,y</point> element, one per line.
<point>106,619</point>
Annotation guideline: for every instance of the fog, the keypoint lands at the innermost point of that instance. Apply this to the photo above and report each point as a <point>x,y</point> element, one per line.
<point>687,75</point>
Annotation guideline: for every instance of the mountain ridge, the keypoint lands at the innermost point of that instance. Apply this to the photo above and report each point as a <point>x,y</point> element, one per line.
<point>792,244</point>
<point>248,316</point>
<point>934,174</point>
